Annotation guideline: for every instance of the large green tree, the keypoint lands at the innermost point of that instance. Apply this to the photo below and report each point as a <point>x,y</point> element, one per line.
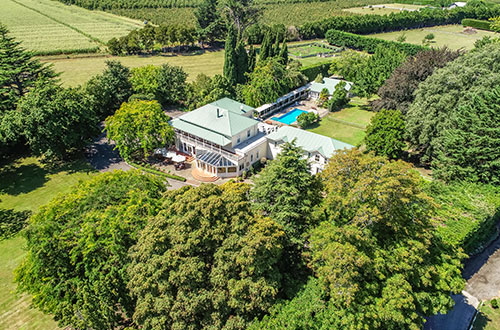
<point>78,250</point>
<point>209,21</point>
<point>398,91</point>
<point>55,121</point>
<point>231,57</point>
<point>270,80</point>
<point>206,90</point>
<point>385,135</point>
<point>206,261</point>
<point>110,89</point>
<point>18,71</point>
<point>171,85</point>
<point>144,79</point>
<point>376,254</point>
<point>240,14</point>
<point>440,95</point>
<point>139,127</point>
<point>469,143</point>
<point>287,192</point>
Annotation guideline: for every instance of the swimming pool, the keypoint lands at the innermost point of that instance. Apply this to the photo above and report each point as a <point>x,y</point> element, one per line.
<point>289,117</point>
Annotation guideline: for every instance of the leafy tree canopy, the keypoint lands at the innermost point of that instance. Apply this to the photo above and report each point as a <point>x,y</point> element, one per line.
<point>386,133</point>
<point>144,79</point>
<point>376,255</point>
<point>469,144</point>
<point>78,249</point>
<point>139,127</point>
<point>397,93</point>
<point>206,261</point>
<point>171,85</point>
<point>440,95</point>
<point>55,121</point>
<point>110,89</point>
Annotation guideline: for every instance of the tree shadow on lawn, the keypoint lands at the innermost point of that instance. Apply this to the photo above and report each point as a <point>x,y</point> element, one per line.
<point>481,321</point>
<point>21,179</point>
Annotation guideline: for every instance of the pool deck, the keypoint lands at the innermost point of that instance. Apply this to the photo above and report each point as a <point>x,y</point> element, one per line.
<point>306,105</point>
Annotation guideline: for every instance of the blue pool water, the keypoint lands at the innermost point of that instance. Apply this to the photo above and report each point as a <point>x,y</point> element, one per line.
<point>289,117</point>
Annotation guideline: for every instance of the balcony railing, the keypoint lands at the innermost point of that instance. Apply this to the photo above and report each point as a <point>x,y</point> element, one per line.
<point>201,143</point>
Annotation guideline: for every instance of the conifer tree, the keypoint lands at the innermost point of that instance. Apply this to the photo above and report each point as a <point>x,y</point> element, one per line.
<point>18,71</point>
<point>276,47</point>
<point>283,55</point>
<point>252,59</point>
<point>241,63</point>
<point>230,59</point>
<point>265,48</point>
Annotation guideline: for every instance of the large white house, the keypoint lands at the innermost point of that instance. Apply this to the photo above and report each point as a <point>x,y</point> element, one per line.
<point>225,140</point>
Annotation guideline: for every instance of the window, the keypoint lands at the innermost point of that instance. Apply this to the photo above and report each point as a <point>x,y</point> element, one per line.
<point>238,140</point>
<point>316,158</point>
<point>251,158</point>
<point>248,133</point>
<point>257,154</point>
<point>242,166</point>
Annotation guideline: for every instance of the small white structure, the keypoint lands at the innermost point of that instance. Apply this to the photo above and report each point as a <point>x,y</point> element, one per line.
<point>459,4</point>
<point>328,84</point>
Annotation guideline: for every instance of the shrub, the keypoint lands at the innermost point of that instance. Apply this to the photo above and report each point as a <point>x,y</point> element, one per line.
<point>494,303</point>
<point>478,24</point>
<point>307,119</point>
<point>312,71</point>
<point>11,222</point>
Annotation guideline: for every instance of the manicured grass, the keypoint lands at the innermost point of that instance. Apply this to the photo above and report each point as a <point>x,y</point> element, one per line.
<point>45,25</point>
<point>336,124</point>
<point>488,318</point>
<point>446,35</point>
<point>78,69</point>
<point>26,185</point>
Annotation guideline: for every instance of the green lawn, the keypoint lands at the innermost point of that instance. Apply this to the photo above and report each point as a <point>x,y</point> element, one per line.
<point>346,124</point>
<point>77,70</point>
<point>446,35</point>
<point>26,185</point>
<point>488,318</point>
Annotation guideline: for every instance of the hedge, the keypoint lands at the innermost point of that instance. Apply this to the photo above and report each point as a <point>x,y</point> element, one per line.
<point>156,172</point>
<point>368,44</point>
<point>312,71</point>
<point>11,222</point>
<point>476,23</point>
<point>366,24</point>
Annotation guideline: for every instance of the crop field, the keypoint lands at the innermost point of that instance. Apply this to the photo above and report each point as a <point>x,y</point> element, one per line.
<point>382,9</point>
<point>446,35</point>
<point>289,14</point>
<point>310,49</point>
<point>46,26</point>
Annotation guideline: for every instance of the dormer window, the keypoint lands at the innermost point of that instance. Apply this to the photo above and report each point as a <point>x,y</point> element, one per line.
<point>317,158</point>
<point>248,133</point>
<point>239,140</point>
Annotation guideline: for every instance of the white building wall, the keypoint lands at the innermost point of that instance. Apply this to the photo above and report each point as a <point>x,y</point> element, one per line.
<point>243,136</point>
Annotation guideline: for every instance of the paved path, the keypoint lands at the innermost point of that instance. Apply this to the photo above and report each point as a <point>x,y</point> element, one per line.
<point>102,156</point>
<point>482,273</point>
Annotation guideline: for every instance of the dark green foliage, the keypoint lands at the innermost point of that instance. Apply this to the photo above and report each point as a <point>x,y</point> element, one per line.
<point>377,69</point>
<point>398,91</point>
<point>213,261</point>
<point>494,303</point>
<point>478,24</point>
<point>18,71</point>
<point>467,214</point>
<point>241,63</point>
<point>265,48</point>
<point>339,97</point>
<point>313,70</point>
<point>56,121</point>
<point>307,119</point>
<point>270,80</point>
<point>369,44</point>
<point>109,89</point>
<point>275,50</point>
<point>365,24</point>
<point>171,85</point>
<point>11,222</point>
<point>385,134</point>
<point>469,142</point>
<point>376,250</point>
<point>209,21</point>
<point>230,57</point>
<point>442,94</point>
<point>283,55</point>
<point>206,90</point>
<point>287,192</point>
<point>78,249</point>
<point>252,59</point>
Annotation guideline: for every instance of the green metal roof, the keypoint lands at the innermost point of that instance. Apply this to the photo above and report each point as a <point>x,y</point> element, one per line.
<point>329,84</point>
<point>310,142</point>
<point>232,105</point>
<point>217,122</point>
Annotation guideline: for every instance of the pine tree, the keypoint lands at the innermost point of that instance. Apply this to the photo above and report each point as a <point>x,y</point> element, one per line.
<point>241,63</point>
<point>265,48</point>
<point>18,71</point>
<point>276,46</point>
<point>283,55</point>
<point>252,59</point>
<point>230,59</point>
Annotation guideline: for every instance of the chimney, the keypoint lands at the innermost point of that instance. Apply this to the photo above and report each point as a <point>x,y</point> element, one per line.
<point>241,108</point>
<point>219,114</point>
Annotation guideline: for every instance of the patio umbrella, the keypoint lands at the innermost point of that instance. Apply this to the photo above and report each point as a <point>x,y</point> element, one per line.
<point>170,154</point>
<point>178,158</point>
